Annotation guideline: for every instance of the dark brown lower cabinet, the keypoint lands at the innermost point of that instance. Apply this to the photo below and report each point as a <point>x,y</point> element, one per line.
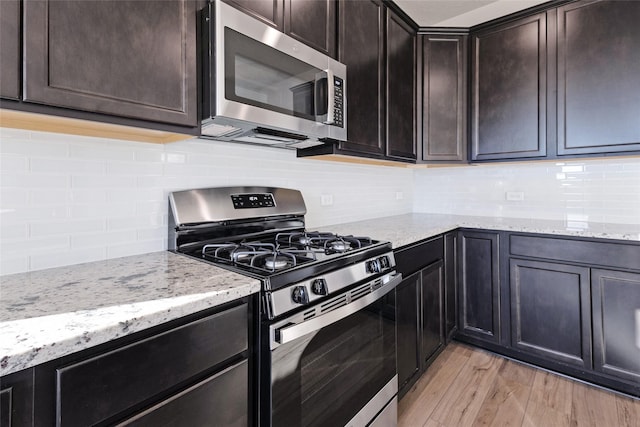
<point>569,304</point>
<point>408,326</point>
<point>420,300</point>
<point>218,401</point>
<point>16,399</point>
<point>191,371</point>
<point>616,323</point>
<point>550,310</point>
<point>479,286</point>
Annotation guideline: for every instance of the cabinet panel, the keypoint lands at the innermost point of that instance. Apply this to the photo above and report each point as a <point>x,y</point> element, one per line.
<point>550,313</point>
<point>479,295</point>
<point>313,22</point>
<point>128,58</point>
<point>598,77</point>
<point>444,93</point>
<point>115,381</point>
<point>361,49</point>
<point>432,310</point>
<point>508,118</point>
<point>16,399</point>
<point>450,285</point>
<point>220,400</point>
<point>10,70</point>
<point>616,323</point>
<point>268,11</point>
<point>401,92</point>
<point>408,336</point>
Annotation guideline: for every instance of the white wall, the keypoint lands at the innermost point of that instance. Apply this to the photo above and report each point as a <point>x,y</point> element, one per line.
<point>603,190</point>
<point>70,199</point>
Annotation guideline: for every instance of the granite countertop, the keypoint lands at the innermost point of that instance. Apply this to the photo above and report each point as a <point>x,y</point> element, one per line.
<point>405,229</point>
<point>50,313</point>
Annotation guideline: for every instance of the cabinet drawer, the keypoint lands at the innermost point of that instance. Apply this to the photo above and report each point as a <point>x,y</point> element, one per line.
<point>410,259</point>
<point>220,400</point>
<point>618,255</point>
<point>93,390</point>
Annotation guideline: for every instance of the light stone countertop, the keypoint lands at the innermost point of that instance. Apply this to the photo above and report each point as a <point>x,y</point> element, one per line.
<point>405,229</point>
<point>50,313</point>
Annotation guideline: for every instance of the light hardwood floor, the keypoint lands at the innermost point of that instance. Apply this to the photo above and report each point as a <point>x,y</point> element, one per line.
<point>466,386</point>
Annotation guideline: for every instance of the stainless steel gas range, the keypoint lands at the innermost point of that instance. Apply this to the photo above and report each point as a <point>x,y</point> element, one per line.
<point>327,313</point>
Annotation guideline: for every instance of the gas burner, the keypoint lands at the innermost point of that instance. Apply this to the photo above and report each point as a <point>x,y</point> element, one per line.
<point>277,262</point>
<point>338,246</point>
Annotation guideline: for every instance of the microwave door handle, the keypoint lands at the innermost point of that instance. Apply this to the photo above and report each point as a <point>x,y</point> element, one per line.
<point>291,333</point>
<point>328,117</point>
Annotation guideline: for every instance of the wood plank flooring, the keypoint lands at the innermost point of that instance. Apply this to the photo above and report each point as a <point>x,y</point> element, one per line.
<point>466,386</point>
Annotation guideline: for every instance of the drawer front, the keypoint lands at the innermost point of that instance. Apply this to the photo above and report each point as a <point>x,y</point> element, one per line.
<point>93,390</point>
<point>220,400</point>
<point>618,255</point>
<point>410,259</point>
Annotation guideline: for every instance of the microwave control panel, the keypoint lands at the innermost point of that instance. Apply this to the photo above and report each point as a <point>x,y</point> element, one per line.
<point>338,102</point>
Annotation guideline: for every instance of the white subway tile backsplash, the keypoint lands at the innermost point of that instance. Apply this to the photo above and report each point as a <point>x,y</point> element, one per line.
<point>102,198</point>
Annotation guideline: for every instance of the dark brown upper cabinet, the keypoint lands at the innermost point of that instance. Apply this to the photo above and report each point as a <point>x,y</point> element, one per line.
<point>313,22</point>
<point>400,89</point>
<point>443,71</point>
<point>598,77</point>
<point>268,11</point>
<point>134,59</point>
<point>508,91</point>
<point>361,49</point>
<point>10,78</point>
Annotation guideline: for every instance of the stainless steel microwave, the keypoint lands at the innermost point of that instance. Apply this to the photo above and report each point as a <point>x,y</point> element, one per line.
<point>262,86</point>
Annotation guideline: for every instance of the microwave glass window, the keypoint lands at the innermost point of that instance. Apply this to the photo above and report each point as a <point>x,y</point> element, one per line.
<point>258,75</point>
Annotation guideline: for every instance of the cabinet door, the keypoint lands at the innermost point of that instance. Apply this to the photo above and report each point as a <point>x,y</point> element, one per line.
<point>220,400</point>
<point>508,110</point>
<point>10,78</point>
<point>616,323</point>
<point>268,11</point>
<point>16,399</point>
<point>408,336</point>
<point>479,287</point>
<point>126,58</point>
<point>598,77</point>
<point>400,90</point>
<point>450,285</point>
<point>361,49</point>
<point>444,98</point>
<point>432,310</point>
<point>550,311</point>
<point>313,22</point>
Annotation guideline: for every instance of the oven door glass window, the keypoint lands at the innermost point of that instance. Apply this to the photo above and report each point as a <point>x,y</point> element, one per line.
<point>259,75</point>
<point>324,378</point>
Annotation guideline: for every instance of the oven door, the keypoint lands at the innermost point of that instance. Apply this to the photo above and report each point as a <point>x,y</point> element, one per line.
<point>337,368</point>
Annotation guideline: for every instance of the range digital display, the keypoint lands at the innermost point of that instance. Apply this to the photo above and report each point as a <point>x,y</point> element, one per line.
<point>252,201</point>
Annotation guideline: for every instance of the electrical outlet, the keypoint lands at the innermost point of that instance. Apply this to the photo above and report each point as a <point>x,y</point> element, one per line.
<point>326,199</point>
<point>515,196</point>
<point>399,195</point>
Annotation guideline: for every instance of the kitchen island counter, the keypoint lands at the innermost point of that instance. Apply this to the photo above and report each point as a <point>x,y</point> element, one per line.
<point>402,230</point>
<point>50,313</point>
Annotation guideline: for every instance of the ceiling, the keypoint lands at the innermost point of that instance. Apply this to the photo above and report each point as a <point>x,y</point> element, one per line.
<point>461,13</point>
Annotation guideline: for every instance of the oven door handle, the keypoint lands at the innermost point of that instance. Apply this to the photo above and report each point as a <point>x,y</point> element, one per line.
<point>291,333</point>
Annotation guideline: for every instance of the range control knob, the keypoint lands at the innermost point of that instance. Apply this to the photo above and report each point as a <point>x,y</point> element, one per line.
<point>299,295</point>
<point>384,262</point>
<point>373,266</point>
<point>319,287</point>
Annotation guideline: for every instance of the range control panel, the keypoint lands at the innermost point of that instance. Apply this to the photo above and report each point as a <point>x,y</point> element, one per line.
<point>252,201</point>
